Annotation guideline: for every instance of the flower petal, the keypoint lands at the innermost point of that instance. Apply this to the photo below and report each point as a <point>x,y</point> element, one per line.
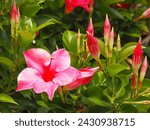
<point>60,60</point>
<point>27,78</point>
<point>37,58</point>
<point>51,90</point>
<point>66,76</point>
<point>85,77</point>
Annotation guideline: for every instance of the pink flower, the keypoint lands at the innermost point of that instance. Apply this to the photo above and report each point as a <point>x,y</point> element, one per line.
<point>72,4</point>
<point>15,14</point>
<point>137,57</point>
<point>92,41</point>
<point>45,72</point>
<point>146,13</point>
<point>86,74</point>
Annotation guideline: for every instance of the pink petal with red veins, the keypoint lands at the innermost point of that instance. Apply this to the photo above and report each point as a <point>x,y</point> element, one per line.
<point>60,60</point>
<point>66,76</point>
<point>37,58</point>
<point>27,78</point>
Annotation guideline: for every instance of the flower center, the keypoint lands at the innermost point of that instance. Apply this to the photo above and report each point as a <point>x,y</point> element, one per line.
<point>48,75</point>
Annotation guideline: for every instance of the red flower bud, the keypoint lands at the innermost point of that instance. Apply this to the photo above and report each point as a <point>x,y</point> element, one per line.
<point>90,28</point>
<point>107,28</point>
<point>143,69</point>
<point>146,13</point>
<point>137,57</point>
<point>111,42</point>
<point>92,41</point>
<point>15,14</point>
<point>93,46</point>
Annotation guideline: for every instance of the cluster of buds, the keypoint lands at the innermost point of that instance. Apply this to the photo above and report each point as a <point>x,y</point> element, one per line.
<point>136,63</point>
<point>14,19</point>
<point>108,37</point>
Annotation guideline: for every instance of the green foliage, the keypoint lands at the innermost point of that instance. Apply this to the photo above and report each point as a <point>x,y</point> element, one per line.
<point>44,24</point>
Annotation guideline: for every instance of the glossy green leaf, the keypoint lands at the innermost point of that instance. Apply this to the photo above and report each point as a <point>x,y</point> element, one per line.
<point>69,40</point>
<point>114,69</point>
<point>7,99</point>
<point>126,51</point>
<point>30,8</point>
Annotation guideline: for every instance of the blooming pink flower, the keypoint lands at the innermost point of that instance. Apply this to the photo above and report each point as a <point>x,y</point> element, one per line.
<point>15,14</point>
<point>86,74</point>
<point>45,72</point>
<point>92,41</point>
<point>146,13</point>
<point>137,57</point>
<point>72,4</point>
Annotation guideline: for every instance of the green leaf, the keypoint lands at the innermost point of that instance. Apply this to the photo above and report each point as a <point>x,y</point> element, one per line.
<point>7,99</point>
<point>49,22</point>
<point>42,104</point>
<point>30,8</point>
<point>117,13</point>
<point>114,69</point>
<point>126,51</point>
<point>27,24</point>
<point>69,41</point>
<point>97,101</point>
<point>8,62</point>
<point>54,4</point>
<point>25,38</point>
<point>146,84</point>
